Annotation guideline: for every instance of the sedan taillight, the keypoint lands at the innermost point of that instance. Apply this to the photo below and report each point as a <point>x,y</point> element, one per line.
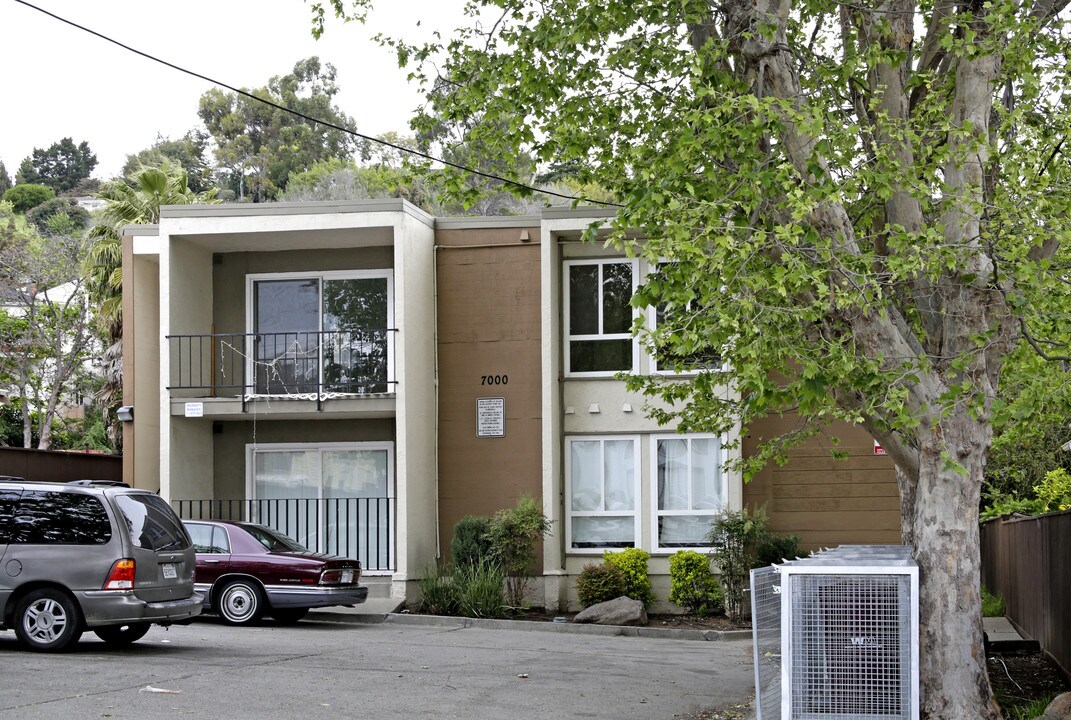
<point>340,576</point>
<point>121,576</point>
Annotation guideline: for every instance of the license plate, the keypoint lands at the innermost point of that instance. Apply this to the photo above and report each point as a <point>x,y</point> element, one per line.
<point>347,576</point>
<point>170,572</point>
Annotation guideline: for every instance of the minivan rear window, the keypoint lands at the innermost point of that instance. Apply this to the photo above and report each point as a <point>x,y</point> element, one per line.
<point>59,518</point>
<point>152,522</point>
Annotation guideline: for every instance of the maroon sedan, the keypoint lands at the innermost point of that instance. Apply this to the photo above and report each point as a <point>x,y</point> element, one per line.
<point>245,570</point>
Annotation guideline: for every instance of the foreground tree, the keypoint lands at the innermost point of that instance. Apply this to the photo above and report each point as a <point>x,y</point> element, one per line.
<point>866,199</point>
<point>189,151</point>
<point>61,166</point>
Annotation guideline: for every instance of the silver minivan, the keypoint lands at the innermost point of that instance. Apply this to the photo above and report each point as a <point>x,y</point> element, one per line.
<point>90,555</point>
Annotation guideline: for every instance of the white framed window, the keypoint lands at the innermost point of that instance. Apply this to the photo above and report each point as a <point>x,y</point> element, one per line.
<point>327,333</point>
<point>602,492</point>
<point>599,316</point>
<point>336,497</point>
<point>689,486</point>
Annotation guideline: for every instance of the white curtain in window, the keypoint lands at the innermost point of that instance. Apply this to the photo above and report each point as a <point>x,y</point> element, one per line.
<point>620,464</point>
<point>673,475</point>
<point>286,475</point>
<point>584,459</point>
<point>604,531</point>
<point>706,474</point>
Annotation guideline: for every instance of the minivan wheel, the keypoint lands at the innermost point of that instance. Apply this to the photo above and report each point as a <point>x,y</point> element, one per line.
<point>47,620</point>
<point>122,635</point>
<point>240,602</point>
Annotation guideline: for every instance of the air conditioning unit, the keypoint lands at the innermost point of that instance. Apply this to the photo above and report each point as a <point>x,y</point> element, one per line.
<point>836,636</point>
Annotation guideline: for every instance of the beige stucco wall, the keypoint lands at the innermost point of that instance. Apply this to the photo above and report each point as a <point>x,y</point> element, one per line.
<point>141,358</point>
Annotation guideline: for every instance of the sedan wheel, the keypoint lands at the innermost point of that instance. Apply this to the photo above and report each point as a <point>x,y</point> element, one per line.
<point>122,635</point>
<point>47,621</point>
<point>240,602</point>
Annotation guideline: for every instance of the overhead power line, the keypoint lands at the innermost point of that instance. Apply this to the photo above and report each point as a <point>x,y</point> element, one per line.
<point>325,123</point>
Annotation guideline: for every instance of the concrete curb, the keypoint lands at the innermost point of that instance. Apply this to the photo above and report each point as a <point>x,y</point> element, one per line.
<point>460,623</point>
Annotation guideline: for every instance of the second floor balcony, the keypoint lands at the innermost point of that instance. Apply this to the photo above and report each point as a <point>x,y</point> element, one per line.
<point>312,365</point>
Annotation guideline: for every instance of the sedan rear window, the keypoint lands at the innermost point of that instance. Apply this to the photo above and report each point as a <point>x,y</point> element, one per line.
<point>152,522</point>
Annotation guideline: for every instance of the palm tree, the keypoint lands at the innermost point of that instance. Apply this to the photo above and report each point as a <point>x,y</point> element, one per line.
<point>132,201</point>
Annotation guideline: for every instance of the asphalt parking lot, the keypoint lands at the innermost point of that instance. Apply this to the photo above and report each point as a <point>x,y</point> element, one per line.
<point>333,670</point>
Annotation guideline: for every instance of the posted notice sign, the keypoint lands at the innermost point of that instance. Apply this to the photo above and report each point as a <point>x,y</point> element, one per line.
<point>490,417</point>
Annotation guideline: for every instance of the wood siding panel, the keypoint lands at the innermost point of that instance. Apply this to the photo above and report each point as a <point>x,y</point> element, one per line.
<point>488,325</point>
<point>826,501</point>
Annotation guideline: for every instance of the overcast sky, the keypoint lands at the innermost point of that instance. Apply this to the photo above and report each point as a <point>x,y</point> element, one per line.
<point>59,81</point>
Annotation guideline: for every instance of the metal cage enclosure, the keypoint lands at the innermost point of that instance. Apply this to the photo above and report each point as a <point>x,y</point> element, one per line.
<point>836,636</point>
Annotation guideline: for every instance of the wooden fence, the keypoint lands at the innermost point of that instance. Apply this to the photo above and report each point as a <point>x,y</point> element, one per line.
<point>59,466</point>
<point>1028,562</point>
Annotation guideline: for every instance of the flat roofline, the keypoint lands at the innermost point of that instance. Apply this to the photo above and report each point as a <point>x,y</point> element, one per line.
<point>584,211</point>
<point>396,205</point>
<point>486,222</point>
<point>152,230</point>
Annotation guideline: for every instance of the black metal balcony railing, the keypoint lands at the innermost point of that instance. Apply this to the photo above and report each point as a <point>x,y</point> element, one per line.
<point>361,528</point>
<point>314,364</point>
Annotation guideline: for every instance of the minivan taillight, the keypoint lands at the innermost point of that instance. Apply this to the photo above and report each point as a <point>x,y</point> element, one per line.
<point>121,576</point>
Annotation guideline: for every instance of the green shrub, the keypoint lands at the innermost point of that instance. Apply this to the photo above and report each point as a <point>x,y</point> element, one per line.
<point>992,605</point>
<point>633,563</point>
<point>1054,492</point>
<point>438,593</point>
<point>28,195</point>
<point>734,538</point>
<point>513,534</point>
<point>471,544</point>
<point>692,585</point>
<point>480,590</point>
<point>774,549</point>
<point>598,583</point>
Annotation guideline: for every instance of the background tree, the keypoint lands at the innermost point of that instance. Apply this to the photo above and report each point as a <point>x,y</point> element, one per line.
<point>45,327</point>
<point>261,145</point>
<point>62,166</point>
<point>861,207</point>
<point>44,216</point>
<point>5,179</point>
<point>28,195</point>
<point>133,201</point>
<point>189,152</point>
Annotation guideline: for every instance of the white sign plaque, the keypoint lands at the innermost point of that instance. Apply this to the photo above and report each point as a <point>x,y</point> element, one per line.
<point>195,409</point>
<point>490,417</point>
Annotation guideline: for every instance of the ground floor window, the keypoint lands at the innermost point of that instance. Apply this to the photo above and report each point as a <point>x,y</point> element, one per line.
<point>603,489</point>
<point>333,497</point>
<point>605,507</point>
<point>689,488</point>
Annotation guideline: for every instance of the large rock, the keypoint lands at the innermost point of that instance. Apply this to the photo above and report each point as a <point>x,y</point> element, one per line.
<point>1059,708</point>
<point>619,611</point>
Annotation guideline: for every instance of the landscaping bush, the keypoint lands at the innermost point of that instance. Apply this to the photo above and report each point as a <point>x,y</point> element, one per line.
<point>480,590</point>
<point>774,549</point>
<point>633,564</point>
<point>734,538</point>
<point>471,544</point>
<point>513,535</point>
<point>438,593</point>
<point>992,605</point>
<point>599,583</point>
<point>692,585</point>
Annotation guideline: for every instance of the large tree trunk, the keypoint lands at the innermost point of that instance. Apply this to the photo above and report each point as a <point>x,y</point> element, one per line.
<point>941,523</point>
